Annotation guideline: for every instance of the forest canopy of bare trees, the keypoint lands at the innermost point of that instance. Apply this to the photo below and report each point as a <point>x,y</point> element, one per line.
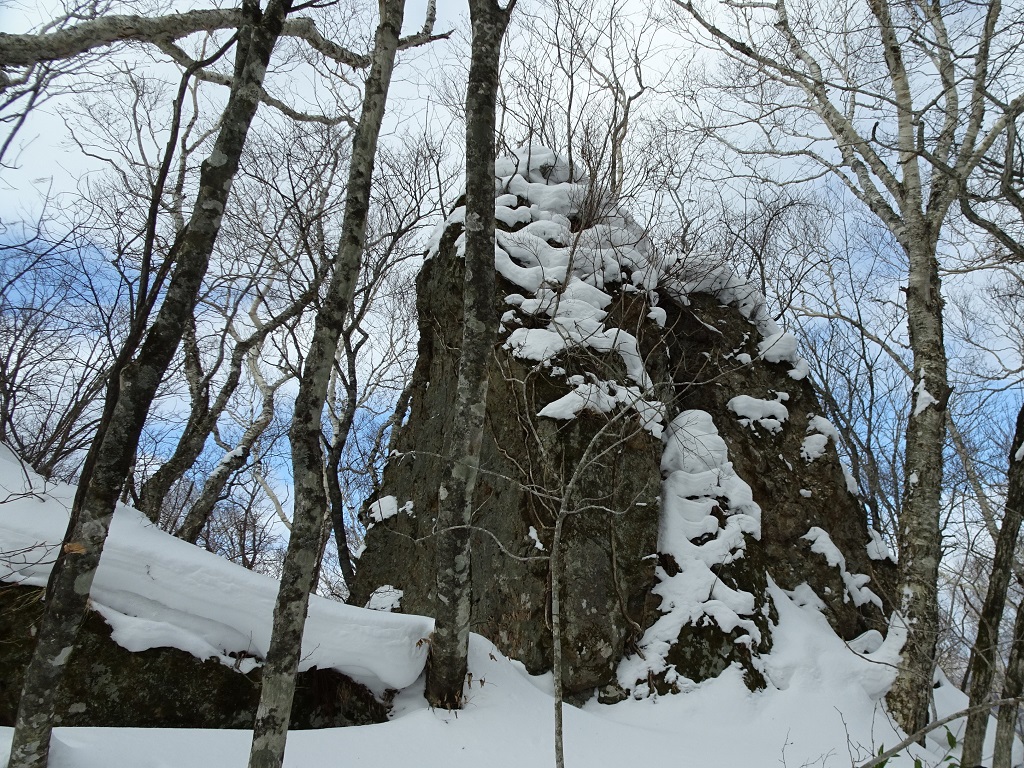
<point>215,321</point>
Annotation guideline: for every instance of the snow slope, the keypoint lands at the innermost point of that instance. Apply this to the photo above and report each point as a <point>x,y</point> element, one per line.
<point>823,705</point>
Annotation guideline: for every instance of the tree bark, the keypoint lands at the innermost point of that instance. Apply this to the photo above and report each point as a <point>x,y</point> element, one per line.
<point>448,661</point>
<point>556,632</point>
<point>335,498</point>
<point>920,535</point>
<point>29,49</point>
<point>1013,685</point>
<point>271,727</point>
<point>70,580</point>
<point>1006,728</point>
<point>983,656</point>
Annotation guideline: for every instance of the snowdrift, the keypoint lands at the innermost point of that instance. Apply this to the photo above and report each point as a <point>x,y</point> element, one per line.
<point>823,705</point>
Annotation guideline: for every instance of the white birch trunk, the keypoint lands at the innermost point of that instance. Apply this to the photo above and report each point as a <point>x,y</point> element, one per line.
<point>447,665</point>
<point>72,575</point>
<point>271,727</point>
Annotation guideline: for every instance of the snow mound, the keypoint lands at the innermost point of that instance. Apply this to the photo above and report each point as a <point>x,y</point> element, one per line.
<point>700,486</point>
<point>158,591</point>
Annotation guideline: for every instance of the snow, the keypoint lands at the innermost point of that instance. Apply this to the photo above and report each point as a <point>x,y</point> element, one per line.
<point>770,414</point>
<point>823,703</point>
<point>508,721</point>
<point>924,397</point>
<point>856,583</point>
<point>851,482</point>
<point>385,598</point>
<point>779,347</point>
<point>699,480</point>
<point>565,281</point>
<point>877,548</point>
<point>800,370</point>
<point>383,508</point>
<point>814,445</point>
<point>158,591</point>
<point>604,397</point>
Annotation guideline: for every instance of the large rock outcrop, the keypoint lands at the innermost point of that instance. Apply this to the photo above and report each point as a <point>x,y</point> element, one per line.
<point>648,399</point>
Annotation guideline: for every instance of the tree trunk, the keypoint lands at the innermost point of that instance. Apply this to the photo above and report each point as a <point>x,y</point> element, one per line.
<point>556,633</point>
<point>336,499</point>
<point>983,656</point>
<point>271,727</point>
<point>193,437</point>
<point>1006,729</point>
<point>449,649</point>
<point>1014,683</point>
<point>919,530</point>
<point>67,592</point>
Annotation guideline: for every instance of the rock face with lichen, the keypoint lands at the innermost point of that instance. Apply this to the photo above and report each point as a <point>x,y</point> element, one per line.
<point>648,401</point>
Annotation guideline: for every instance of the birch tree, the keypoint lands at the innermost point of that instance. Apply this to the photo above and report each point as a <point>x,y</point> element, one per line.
<point>449,650</point>
<point>301,559</point>
<point>130,394</point>
<point>900,102</point>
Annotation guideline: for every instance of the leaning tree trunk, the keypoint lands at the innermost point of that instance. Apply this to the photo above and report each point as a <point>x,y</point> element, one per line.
<point>1014,683</point>
<point>332,470</point>
<point>193,436</point>
<point>271,727</point>
<point>449,648</point>
<point>67,592</point>
<point>1006,729</point>
<point>983,655</point>
<point>919,529</point>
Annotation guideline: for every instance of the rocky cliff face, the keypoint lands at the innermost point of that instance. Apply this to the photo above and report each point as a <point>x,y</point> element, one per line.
<point>647,400</point>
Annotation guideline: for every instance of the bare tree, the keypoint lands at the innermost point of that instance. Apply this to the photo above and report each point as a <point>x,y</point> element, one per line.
<point>60,323</point>
<point>131,393</point>
<point>449,649</point>
<point>272,259</point>
<point>865,117</point>
<point>299,571</point>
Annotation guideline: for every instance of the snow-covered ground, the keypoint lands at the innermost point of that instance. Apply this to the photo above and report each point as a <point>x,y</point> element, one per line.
<point>824,702</point>
<point>823,706</point>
